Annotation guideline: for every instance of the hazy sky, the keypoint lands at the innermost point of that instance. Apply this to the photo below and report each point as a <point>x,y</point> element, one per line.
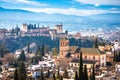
<point>69,7</point>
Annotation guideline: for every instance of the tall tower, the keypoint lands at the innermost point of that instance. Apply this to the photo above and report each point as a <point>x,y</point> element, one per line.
<point>64,47</point>
<point>59,28</point>
<point>25,27</point>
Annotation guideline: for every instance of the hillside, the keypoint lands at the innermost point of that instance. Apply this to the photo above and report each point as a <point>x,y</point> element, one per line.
<point>22,42</point>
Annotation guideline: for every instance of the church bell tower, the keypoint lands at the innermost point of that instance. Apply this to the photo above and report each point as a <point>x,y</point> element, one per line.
<point>64,47</point>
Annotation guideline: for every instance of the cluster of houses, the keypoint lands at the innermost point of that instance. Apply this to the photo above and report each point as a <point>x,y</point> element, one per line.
<point>68,58</point>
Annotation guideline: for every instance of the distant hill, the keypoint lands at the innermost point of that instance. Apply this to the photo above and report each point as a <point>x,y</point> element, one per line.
<point>22,43</point>
<point>107,17</point>
<point>27,15</point>
<point>20,16</point>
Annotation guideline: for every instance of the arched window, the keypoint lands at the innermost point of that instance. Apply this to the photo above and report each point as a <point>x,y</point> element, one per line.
<point>93,57</point>
<point>77,56</point>
<point>102,64</point>
<point>75,64</point>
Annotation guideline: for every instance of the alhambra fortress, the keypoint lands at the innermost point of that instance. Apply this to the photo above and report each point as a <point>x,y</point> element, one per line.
<point>70,55</point>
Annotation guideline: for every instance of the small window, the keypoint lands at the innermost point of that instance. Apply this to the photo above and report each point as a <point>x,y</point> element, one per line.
<point>71,65</point>
<point>94,57</point>
<point>75,65</point>
<point>102,64</point>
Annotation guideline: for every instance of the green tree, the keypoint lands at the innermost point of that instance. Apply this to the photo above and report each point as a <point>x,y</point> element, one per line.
<point>119,56</point>
<point>76,75</point>
<point>81,67</point>
<point>2,53</point>
<point>22,56</point>
<point>38,52</point>
<point>15,64</point>
<point>43,50</point>
<point>22,71</point>
<point>114,57</point>
<point>54,78</point>
<point>93,72</point>
<point>28,49</point>
<point>58,74</point>
<point>46,49</point>
<point>48,74</point>
<point>95,43</point>
<point>42,77</point>
<point>65,75</point>
<point>1,63</point>
<point>61,78</point>
<point>54,51</point>
<point>91,76</point>
<point>0,69</point>
<point>36,59</point>
<point>85,73</point>
<point>3,50</point>
<point>16,74</point>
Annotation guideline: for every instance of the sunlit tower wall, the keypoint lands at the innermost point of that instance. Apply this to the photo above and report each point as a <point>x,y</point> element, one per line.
<point>64,47</point>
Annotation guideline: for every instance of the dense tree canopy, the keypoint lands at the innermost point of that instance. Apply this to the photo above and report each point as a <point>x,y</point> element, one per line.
<point>22,71</point>
<point>21,42</point>
<point>22,56</point>
<point>3,50</point>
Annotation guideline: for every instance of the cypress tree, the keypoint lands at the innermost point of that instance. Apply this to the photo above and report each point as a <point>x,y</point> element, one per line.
<point>91,76</point>
<point>54,51</point>
<point>93,73</point>
<point>2,53</point>
<point>43,52</point>
<point>0,69</point>
<point>22,71</point>
<point>54,78</point>
<point>3,49</point>
<point>119,56</point>
<point>81,67</point>
<point>65,75</point>
<point>114,58</point>
<point>38,52</point>
<point>42,76</point>
<point>22,56</point>
<point>48,74</point>
<point>95,43</point>
<point>61,78</point>
<point>76,75</point>
<point>85,73</point>
<point>28,49</point>
<point>58,74</point>
<point>16,75</point>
